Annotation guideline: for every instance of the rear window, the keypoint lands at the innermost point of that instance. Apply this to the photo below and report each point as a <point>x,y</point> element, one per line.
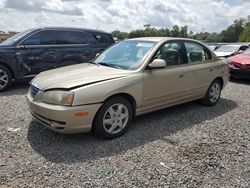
<point>103,37</point>
<point>72,37</point>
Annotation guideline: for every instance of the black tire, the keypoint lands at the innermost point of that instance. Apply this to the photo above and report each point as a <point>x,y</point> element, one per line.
<point>99,127</point>
<point>207,100</point>
<point>5,71</point>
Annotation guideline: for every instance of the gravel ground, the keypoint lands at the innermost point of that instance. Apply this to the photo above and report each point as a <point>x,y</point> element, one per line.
<point>185,146</point>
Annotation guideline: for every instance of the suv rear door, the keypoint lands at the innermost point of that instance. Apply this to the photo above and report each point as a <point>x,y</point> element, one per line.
<point>74,47</point>
<point>104,40</point>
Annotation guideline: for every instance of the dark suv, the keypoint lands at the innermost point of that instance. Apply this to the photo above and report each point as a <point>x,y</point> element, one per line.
<point>30,52</point>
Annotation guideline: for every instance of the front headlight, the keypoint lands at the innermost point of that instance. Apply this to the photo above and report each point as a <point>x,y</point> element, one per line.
<point>58,97</point>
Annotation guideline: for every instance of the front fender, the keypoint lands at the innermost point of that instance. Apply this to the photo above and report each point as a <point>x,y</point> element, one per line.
<point>99,92</point>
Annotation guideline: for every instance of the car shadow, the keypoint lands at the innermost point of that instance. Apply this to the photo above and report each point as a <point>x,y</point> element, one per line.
<point>60,148</point>
<point>17,88</point>
<point>240,81</point>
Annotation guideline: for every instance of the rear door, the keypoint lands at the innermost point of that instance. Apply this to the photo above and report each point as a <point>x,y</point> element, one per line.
<point>74,47</point>
<point>104,40</point>
<point>202,69</point>
<point>37,53</point>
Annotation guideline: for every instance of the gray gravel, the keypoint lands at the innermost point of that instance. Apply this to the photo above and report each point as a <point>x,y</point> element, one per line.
<point>185,146</point>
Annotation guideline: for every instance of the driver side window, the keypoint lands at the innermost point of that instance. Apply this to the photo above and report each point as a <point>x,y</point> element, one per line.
<point>171,53</point>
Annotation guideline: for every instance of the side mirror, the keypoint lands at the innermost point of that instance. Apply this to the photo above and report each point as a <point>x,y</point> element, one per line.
<point>96,55</point>
<point>240,52</point>
<point>157,64</point>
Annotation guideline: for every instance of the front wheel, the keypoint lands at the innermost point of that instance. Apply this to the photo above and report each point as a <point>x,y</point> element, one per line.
<point>213,93</point>
<point>113,118</point>
<point>5,78</point>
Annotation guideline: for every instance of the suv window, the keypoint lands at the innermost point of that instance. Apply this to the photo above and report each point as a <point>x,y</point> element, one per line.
<point>72,37</point>
<point>102,37</point>
<point>197,52</point>
<point>41,38</point>
<point>171,53</point>
<point>243,48</point>
<point>50,37</point>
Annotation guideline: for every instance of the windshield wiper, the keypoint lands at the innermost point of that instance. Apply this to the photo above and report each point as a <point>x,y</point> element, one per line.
<point>92,62</point>
<point>109,65</point>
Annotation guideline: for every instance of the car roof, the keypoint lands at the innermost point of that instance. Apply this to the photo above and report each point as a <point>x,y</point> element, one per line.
<point>159,39</point>
<point>72,28</point>
<point>235,45</point>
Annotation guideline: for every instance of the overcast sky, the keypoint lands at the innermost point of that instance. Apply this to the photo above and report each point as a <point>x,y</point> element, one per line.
<point>125,15</point>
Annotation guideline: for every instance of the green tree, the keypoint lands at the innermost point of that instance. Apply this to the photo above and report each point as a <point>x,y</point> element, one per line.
<point>175,31</point>
<point>233,32</point>
<point>120,35</point>
<point>183,31</point>
<point>245,36</point>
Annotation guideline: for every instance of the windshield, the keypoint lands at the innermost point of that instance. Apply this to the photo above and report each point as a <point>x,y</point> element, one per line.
<point>228,49</point>
<point>13,39</point>
<point>247,52</point>
<point>126,55</point>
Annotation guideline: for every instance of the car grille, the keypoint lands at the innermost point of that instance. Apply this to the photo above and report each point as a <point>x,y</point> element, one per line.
<point>34,90</point>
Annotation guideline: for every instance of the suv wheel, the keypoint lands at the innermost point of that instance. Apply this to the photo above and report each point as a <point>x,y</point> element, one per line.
<point>213,93</point>
<point>113,118</point>
<point>5,78</point>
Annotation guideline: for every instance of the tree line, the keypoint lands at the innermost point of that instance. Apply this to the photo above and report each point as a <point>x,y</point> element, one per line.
<point>239,31</point>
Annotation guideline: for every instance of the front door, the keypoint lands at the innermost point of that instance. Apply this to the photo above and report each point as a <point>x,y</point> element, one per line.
<point>166,86</point>
<point>37,53</point>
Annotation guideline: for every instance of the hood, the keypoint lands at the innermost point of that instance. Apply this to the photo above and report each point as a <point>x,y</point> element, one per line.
<point>76,75</point>
<point>223,54</point>
<point>241,58</point>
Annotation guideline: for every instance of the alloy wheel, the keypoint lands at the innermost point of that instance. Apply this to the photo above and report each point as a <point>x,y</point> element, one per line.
<point>3,79</point>
<point>115,118</point>
<point>214,93</point>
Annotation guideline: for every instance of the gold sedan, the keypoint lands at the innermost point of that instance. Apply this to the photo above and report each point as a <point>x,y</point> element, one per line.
<point>131,78</point>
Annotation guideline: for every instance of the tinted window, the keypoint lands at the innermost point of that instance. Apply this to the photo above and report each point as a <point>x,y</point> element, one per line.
<point>197,52</point>
<point>72,37</point>
<point>171,53</point>
<point>50,37</point>
<point>41,38</point>
<point>243,48</point>
<point>103,38</point>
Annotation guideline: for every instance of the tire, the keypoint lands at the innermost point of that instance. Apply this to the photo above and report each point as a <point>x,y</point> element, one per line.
<point>5,78</point>
<point>213,93</point>
<point>116,123</point>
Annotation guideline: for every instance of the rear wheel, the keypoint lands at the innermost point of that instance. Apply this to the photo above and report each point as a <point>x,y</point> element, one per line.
<point>213,93</point>
<point>5,78</point>
<point>113,118</point>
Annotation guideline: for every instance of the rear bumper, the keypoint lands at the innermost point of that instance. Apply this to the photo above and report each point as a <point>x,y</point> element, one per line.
<point>63,119</point>
<point>239,73</point>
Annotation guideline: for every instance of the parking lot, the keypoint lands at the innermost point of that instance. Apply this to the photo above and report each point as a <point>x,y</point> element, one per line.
<point>185,146</point>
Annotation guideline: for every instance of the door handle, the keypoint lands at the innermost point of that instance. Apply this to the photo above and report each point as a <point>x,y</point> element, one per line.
<point>211,70</point>
<point>181,75</point>
<point>22,47</point>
